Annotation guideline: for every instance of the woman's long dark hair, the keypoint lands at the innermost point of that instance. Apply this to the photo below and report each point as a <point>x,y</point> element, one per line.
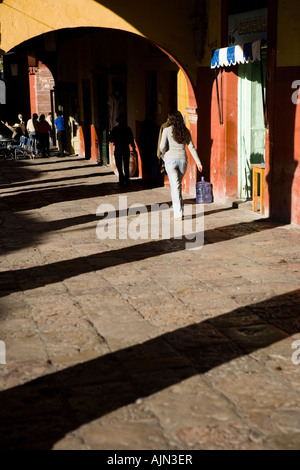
<point>181,134</point>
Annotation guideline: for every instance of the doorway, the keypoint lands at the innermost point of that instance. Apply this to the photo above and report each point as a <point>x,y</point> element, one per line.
<point>251,123</point>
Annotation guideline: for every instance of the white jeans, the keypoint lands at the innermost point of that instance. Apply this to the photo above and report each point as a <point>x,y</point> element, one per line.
<point>176,168</point>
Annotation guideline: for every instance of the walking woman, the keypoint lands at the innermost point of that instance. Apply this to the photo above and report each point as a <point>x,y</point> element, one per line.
<point>173,148</point>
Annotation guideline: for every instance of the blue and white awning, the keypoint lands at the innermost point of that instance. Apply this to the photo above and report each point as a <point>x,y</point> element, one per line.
<point>236,55</point>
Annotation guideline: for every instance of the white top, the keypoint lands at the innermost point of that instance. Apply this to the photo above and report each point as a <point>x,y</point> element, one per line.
<point>176,150</point>
<point>31,125</point>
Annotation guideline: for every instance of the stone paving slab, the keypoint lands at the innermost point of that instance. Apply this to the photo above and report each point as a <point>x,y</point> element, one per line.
<point>142,344</point>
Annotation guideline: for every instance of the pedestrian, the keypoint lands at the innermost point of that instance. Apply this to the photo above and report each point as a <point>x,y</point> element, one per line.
<point>176,137</point>
<point>22,123</point>
<point>50,122</point>
<point>44,130</point>
<point>49,119</point>
<point>122,136</point>
<point>162,128</point>
<point>61,133</point>
<point>147,143</point>
<point>15,129</point>
<point>31,127</point>
<point>159,154</point>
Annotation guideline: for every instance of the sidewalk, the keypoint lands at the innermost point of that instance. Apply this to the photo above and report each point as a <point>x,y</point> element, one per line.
<point>142,344</point>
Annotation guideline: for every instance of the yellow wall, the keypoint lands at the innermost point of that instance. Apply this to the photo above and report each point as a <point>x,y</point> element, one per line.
<point>21,19</point>
<point>182,95</point>
<point>166,23</point>
<point>288,36</point>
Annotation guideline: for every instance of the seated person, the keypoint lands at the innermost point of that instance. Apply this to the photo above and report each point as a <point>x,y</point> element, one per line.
<point>4,131</point>
<point>16,130</point>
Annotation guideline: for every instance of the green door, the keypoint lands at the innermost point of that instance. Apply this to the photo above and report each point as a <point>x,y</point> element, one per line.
<point>251,127</point>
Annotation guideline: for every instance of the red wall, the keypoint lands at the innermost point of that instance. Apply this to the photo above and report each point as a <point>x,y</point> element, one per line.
<point>231,132</point>
<point>218,142</point>
<point>205,143</point>
<point>44,83</point>
<point>95,144</point>
<point>284,176</point>
<point>295,215</point>
<point>32,92</point>
<point>40,84</point>
<point>217,137</point>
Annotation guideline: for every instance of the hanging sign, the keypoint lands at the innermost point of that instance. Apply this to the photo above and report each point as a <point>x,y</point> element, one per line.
<point>248,27</point>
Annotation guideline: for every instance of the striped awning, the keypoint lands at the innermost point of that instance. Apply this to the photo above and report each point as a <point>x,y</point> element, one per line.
<point>236,55</point>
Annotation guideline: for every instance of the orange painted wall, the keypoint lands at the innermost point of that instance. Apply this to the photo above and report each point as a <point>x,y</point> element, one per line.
<point>204,98</point>
<point>231,132</point>
<point>81,141</point>
<point>188,107</point>
<point>218,160</point>
<point>32,93</point>
<point>95,148</point>
<point>295,211</point>
<point>284,177</point>
<point>217,143</point>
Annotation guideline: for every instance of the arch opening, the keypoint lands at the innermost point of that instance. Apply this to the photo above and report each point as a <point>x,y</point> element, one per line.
<point>89,65</point>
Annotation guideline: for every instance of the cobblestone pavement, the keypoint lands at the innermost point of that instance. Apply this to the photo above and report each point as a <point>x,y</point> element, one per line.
<point>142,344</point>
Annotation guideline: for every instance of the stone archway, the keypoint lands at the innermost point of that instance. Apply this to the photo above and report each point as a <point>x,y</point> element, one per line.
<point>23,21</point>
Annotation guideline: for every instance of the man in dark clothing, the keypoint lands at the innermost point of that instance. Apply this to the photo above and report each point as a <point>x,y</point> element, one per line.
<point>122,137</point>
<point>61,133</point>
<point>44,131</point>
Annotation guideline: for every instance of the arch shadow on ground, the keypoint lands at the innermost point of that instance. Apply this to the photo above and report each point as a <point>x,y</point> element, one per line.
<point>36,415</point>
<point>38,276</point>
